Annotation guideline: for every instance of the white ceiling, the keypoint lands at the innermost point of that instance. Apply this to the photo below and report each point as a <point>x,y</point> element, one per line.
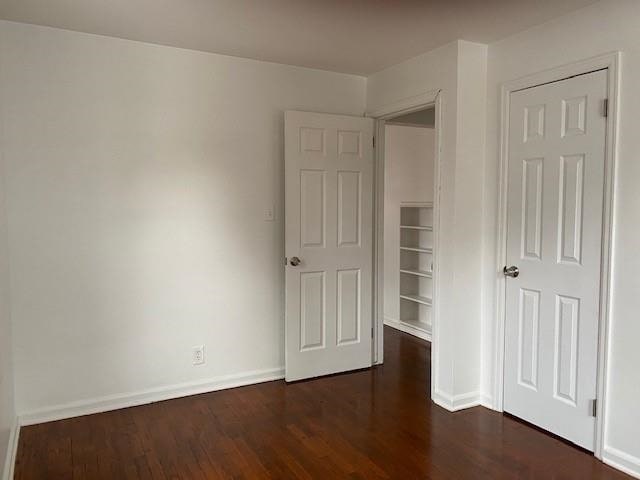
<point>354,36</point>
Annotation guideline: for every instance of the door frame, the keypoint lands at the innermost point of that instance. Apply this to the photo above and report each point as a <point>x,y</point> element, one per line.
<point>610,62</point>
<point>431,98</point>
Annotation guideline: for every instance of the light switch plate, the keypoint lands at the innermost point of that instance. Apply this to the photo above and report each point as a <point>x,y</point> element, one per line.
<point>269,214</point>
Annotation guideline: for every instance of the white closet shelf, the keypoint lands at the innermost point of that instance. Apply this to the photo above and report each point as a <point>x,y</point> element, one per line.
<point>425,327</point>
<point>417,299</point>
<point>419,250</point>
<point>425,228</point>
<point>415,292</point>
<point>418,273</point>
<point>417,204</point>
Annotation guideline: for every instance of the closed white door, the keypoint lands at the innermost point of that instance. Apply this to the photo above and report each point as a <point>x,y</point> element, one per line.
<point>328,243</point>
<point>555,207</point>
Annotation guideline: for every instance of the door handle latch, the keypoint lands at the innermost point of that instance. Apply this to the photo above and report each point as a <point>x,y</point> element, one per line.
<point>294,262</point>
<point>511,271</point>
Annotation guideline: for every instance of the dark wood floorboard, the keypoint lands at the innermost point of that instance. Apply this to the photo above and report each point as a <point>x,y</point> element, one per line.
<point>372,424</point>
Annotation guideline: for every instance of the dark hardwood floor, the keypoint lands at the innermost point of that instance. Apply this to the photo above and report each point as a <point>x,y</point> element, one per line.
<point>377,423</point>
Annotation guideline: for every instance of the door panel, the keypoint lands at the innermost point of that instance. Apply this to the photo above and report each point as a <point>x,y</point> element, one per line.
<point>349,198</point>
<point>566,349</point>
<point>528,338</point>
<point>554,231</point>
<point>532,208</point>
<point>313,206</point>
<point>328,209</point>
<point>348,306</point>
<point>312,310</point>
<point>570,209</point>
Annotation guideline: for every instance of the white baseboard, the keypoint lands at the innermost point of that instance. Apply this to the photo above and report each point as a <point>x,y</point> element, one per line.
<point>487,401</point>
<point>611,456</point>
<point>454,403</point>
<point>12,451</point>
<point>406,328</point>
<point>621,461</point>
<point>115,402</point>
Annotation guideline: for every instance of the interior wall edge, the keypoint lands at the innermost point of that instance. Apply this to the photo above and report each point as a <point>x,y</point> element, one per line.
<point>621,460</point>
<point>12,451</point>
<point>133,399</point>
<point>454,403</point>
<point>486,401</point>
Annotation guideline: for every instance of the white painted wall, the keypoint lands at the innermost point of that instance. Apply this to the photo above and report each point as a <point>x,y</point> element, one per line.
<point>137,178</point>
<point>409,155</point>
<point>457,69</point>
<point>464,333</point>
<point>604,27</point>
<point>7,409</point>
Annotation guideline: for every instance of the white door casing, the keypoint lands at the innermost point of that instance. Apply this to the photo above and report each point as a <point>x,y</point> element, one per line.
<point>328,226</point>
<point>557,135</point>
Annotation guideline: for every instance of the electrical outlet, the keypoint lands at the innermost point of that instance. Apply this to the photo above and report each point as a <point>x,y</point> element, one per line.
<point>198,355</point>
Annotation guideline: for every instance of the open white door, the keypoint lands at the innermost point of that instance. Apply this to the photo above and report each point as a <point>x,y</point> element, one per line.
<point>328,243</point>
<point>554,234</point>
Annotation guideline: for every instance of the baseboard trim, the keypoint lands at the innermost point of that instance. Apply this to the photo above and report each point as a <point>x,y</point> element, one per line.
<point>126,400</point>
<point>487,401</point>
<point>611,456</point>
<point>621,461</point>
<point>12,451</point>
<point>403,327</point>
<point>454,403</point>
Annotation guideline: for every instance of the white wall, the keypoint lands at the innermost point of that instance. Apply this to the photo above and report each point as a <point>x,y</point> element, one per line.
<point>137,178</point>
<point>409,155</point>
<point>604,27</point>
<point>457,69</point>
<point>7,410</point>
<point>468,203</point>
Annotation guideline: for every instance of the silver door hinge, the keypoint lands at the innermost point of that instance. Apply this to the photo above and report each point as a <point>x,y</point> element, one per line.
<point>594,407</point>
<point>605,107</point>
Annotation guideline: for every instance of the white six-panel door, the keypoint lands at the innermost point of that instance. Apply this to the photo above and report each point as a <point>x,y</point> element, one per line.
<point>328,210</point>
<point>554,230</point>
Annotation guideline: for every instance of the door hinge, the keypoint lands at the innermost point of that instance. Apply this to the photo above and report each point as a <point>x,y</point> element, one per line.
<point>286,261</point>
<point>371,332</point>
<point>594,407</point>
<point>374,142</point>
<point>605,107</point>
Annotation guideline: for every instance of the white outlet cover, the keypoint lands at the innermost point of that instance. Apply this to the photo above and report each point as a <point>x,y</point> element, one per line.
<point>198,355</point>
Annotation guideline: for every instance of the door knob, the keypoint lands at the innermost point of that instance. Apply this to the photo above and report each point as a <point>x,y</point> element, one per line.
<point>295,261</point>
<point>511,271</point>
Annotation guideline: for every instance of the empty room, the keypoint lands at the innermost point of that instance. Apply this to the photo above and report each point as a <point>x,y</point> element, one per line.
<point>319,239</point>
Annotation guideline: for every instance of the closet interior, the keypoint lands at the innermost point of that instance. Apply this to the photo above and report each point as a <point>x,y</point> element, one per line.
<point>409,222</point>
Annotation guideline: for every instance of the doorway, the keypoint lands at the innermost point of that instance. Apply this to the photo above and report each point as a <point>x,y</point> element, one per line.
<point>334,215</point>
<point>417,314</point>
<point>409,168</point>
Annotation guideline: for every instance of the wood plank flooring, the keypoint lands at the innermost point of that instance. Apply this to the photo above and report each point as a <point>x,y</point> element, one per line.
<point>371,424</point>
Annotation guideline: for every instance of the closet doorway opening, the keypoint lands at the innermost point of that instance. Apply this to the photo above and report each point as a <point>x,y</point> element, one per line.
<point>407,180</point>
